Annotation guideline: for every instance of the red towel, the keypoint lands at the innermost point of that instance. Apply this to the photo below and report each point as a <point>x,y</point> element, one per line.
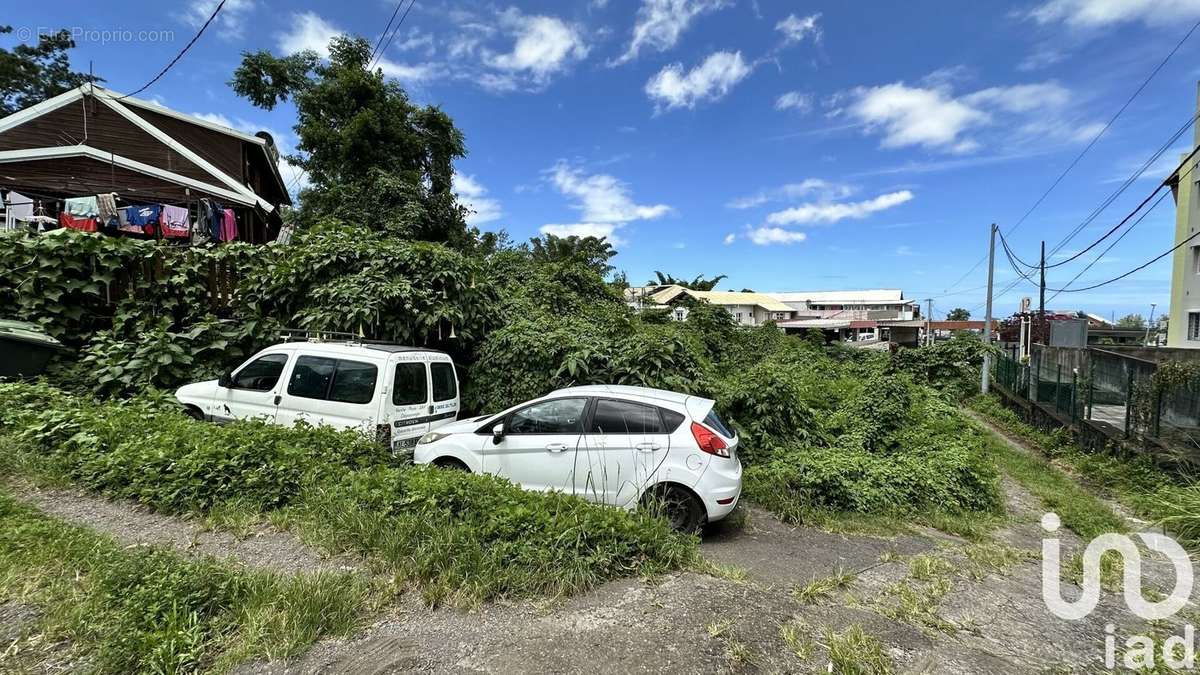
<point>85,224</point>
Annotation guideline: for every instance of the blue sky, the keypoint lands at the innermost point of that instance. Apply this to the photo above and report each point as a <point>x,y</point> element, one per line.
<point>789,145</point>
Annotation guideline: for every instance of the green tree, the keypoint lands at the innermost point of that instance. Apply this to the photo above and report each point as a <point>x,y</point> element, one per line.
<point>372,157</point>
<point>697,284</point>
<point>1131,321</point>
<point>592,252</point>
<point>958,314</point>
<point>30,74</point>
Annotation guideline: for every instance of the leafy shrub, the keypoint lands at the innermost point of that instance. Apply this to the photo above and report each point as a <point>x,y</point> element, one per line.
<point>952,366</point>
<point>161,457</point>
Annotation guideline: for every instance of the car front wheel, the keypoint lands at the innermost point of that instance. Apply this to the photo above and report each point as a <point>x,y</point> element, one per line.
<point>682,510</point>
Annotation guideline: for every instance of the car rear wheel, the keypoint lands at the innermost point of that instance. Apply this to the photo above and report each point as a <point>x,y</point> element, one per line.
<point>682,509</point>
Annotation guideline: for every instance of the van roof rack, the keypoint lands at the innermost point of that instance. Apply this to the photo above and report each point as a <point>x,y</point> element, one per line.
<point>317,336</point>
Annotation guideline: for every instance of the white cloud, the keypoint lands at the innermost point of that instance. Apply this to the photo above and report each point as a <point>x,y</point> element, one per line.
<point>229,24</point>
<point>796,28</point>
<point>904,251</point>
<point>1101,13</point>
<point>915,116</point>
<point>473,195</point>
<point>934,118</point>
<point>823,189</point>
<point>598,230</point>
<point>308,31</point>
<point>601,198</point>
<point>1021,98</point>
<point>660,23</point>
<point>543,46</point>
<point>710,80</point>
<point>794,100</point>
<point>766,236</point>
<point>832,212</point>
<point>730,238</point>
<point>409,72</point>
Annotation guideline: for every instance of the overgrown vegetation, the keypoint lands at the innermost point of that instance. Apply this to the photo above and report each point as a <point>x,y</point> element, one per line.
<point>460,538</point>
<point>1149,491</point>
<point>148,610</point>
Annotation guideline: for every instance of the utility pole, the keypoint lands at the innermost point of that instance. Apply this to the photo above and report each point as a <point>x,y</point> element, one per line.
<point>928,318</point>
<point>1042,299</point>
<point>987,318</point>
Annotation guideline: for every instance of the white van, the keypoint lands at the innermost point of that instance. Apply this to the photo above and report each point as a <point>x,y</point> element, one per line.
<point>399,392</point>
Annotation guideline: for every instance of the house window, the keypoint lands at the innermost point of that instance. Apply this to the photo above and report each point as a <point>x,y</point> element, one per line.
<point>739,317</point>
<point>1193,326</point>
<point>1196,259</point>
<point>679,314</point>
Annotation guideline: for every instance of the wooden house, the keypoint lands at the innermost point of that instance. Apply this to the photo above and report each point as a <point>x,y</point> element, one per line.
<point>92,140</point>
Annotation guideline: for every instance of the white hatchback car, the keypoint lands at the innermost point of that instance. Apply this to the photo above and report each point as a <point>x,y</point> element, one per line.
<point>618,445</point>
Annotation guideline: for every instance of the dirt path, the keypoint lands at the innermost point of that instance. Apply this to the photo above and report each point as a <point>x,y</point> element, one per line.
<point>264,548</point>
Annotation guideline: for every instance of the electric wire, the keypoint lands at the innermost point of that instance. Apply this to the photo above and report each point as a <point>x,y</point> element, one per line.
<point>1088,147</point>
<point>178,56</point>
<point>396,30</point>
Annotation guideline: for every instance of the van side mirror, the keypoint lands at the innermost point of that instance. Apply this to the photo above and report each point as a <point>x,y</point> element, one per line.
<point>498,433</point>
<point>225,381</point>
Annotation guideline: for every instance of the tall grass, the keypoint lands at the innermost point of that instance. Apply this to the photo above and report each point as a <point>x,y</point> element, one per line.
<point>459,538</point>
<point>148,610</point>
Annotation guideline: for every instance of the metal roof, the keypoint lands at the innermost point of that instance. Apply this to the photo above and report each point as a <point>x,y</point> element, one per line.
<point>722,298</point>
<point>868,296</point>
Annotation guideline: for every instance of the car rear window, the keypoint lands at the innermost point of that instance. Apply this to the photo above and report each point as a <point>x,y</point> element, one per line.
<point>671,420</point>
<point>623,417</point>
<point>712,421</point>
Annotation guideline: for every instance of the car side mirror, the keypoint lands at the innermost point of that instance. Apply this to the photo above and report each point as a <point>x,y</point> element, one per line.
<point>498,433</point>
<point>225,381</point>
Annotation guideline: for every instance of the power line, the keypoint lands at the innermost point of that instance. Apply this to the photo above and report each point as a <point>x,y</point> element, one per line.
<point>179,55</point>
<point>399,4</point>
<point>1085,150</point>
<point>388,43</point>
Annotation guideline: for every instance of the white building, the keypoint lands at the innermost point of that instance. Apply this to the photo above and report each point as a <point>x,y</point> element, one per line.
<point>747,308</point>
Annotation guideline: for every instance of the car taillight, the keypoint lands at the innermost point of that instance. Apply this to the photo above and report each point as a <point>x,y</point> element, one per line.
<point>709,441</point>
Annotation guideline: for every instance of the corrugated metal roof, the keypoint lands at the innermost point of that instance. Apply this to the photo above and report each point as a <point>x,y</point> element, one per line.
<point>723,298</point>
<point>842,297</point>
<point>815,323</point>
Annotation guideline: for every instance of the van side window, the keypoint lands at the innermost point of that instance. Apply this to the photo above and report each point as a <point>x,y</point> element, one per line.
<point>445,387</point>
<point>311,377</point>
<point>261,374</point>
<point>353,382</point>
<point>409,386</point>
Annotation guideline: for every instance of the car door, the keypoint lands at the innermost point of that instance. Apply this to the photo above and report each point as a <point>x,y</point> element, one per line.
<point>338,392</point>
<point>254,390</point>
<point>538,449</point>
<point>408,401</point>
<point>625,445</point>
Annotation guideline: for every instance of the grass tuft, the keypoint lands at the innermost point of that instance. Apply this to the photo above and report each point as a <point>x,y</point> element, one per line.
<point>854,652</point>
<point>821,588</point>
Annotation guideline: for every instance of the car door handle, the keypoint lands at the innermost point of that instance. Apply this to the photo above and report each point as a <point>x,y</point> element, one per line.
<point>556,447</point>
<point>648,446</point>
<point>278,398</point>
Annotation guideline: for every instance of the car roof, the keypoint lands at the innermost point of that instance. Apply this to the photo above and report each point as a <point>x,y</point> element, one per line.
<point>626,390</point>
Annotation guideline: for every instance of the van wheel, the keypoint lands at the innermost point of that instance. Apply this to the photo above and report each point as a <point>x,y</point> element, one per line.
<point>676,504</point>
<point>193,412</point>
<point>451,464</point>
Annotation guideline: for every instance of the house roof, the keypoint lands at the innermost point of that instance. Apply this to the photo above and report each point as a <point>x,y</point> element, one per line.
<point>222,183</point>
<point>868,296</point>
<point>722,298</point>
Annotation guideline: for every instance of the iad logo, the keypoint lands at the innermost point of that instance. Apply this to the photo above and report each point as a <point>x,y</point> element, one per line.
<point>1140,653</point>
<point>1132,558</point>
